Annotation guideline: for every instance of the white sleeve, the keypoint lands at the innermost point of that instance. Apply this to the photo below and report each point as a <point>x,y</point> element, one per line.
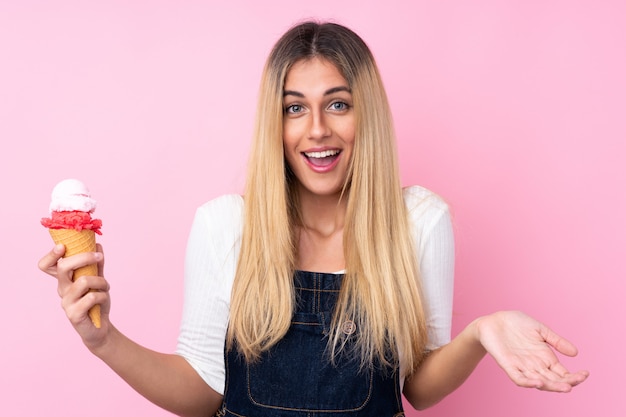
<point>210,262</point>
<point>434,240</point>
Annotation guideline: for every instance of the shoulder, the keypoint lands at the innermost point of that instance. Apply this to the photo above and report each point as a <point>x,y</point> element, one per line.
<point>426,210</point>
<point>223,208</point>
<point>220,217</point>
<point>421,201</point>
<point>223,204</point>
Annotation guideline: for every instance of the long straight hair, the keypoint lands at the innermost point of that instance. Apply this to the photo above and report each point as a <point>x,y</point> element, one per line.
<point>380,292</point>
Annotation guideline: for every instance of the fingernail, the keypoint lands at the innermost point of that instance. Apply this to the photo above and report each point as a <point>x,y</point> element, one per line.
<point>98,256</point>
<point>58,248</point>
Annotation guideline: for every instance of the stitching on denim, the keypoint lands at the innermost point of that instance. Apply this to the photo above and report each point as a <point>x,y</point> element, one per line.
<point>317,290</point>
<point>232,412</point>
<point>221,412</point>
<point>396,383</point>
<point>396,387</point>
<point>310,410</point>
<point>323,319</point>
<point>318,295</point>
<point>316,305</point>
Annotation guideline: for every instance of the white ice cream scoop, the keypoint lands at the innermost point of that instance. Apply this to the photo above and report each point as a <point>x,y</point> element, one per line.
<point>72,195</point>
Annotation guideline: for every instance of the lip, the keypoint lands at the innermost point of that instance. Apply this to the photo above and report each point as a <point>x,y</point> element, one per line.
<point>321,169</point>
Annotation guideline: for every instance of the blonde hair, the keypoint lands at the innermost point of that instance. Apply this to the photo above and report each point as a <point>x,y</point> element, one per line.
<point>380,291</point>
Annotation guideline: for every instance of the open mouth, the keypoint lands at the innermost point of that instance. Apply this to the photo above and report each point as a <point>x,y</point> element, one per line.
<point>323,158</point>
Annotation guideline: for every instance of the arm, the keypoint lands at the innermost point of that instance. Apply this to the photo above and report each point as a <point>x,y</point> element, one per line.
<point>522,347</point>
<point>433,235</point>
<point>444,370</point>
<point>166,380</point>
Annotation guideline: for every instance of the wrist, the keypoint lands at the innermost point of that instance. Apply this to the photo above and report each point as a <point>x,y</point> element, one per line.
<point>104,347</point>
<point>474,333</point>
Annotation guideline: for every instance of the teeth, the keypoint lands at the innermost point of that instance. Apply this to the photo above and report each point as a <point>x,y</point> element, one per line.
<point>323,154</point>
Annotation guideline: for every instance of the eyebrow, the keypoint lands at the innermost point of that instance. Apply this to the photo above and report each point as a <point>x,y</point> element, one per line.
<point>326,93</point>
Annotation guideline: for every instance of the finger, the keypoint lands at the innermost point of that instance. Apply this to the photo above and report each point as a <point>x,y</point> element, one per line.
<point>75,291</point>
<point>79,310</point>
<point>559,369</point>
<point>49,262</point>
<point>553,381</point>
<point>545,381</point>
<point>553,374</point>
<point>69,264</point>
<point>83,294</point>
<point>559,343</point>
<point>521,378</point>
<point>87,283</point>
<point>65,269</point>
<point>579,377</point>
<point>101,262</point>
<point>555,386</point>
<point>525,379</point>
<point>575,378</point>
<point>539,375</point>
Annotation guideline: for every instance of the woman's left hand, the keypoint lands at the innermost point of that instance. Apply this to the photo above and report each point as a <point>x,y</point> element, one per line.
<point>524,348</point>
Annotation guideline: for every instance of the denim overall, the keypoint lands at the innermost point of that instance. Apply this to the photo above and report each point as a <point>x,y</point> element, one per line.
<point>295,378</point>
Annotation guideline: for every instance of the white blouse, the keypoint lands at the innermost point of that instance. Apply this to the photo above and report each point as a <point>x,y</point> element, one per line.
<point>211,260</point>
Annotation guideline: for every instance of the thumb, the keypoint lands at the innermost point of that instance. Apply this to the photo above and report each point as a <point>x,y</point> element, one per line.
<point>49,262</point>
<point>559,343</point>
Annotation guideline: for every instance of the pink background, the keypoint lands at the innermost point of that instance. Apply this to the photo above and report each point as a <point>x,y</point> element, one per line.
<point>514,111</point>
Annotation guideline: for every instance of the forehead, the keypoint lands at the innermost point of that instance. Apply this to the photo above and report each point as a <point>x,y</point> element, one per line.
<point>309,73</point>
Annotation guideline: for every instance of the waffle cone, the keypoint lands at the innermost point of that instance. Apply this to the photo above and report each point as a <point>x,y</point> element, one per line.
<point>78,242</point>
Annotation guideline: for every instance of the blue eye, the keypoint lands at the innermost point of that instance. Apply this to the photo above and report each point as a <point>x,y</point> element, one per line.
<point>294,108</point>
<point>339,106</point>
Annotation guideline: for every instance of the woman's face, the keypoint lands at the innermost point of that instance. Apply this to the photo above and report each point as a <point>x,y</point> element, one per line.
<point>318,127</point>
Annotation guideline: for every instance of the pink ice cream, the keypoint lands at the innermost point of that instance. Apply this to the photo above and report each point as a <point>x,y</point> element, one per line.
<point>71,207</point>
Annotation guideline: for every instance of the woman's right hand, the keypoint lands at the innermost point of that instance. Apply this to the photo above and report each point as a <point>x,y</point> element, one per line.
<point>76,298</point>
<point>167,380</point>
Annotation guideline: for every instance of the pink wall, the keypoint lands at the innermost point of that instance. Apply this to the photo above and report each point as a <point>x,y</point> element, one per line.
<point>514,111</point>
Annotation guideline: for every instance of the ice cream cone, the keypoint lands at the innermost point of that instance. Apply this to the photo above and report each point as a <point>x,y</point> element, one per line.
<point>78,242</point>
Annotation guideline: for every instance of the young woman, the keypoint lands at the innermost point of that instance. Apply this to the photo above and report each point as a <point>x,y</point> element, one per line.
<point>327,288</point>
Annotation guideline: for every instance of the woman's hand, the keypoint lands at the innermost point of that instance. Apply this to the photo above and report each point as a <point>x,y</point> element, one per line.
<point>524,348</point>
<point>167,380</point>
<point>76,299</point>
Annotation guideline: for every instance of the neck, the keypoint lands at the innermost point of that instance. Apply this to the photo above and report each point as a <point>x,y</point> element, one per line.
<point>321,214</point>
<point>320,238</point>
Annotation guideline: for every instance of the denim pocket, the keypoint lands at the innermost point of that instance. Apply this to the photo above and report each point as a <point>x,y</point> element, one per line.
<point>296,374</point>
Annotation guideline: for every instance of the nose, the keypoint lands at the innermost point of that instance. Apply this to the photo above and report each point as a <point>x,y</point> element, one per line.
<point>318,128</point>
